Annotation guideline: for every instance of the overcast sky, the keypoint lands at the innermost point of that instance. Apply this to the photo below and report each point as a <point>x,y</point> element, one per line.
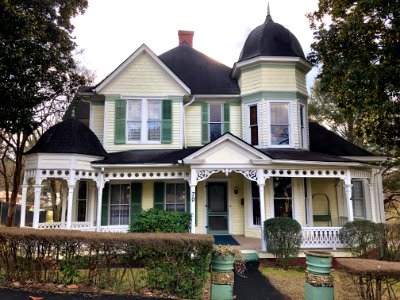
<point>110,31</point>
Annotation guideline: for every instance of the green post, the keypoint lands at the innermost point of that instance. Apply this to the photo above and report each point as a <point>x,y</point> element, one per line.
<point>222,277</point>
<point>319,281</point>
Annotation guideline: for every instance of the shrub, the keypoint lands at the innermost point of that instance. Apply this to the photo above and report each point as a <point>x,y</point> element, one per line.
<point>360,237</point>
<point>283,238</point>
<point>157,220</point>
<point>174,263</point>
<point>389,242</point>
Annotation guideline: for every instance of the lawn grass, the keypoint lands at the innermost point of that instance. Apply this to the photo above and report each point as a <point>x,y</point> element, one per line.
<point>291,283</point>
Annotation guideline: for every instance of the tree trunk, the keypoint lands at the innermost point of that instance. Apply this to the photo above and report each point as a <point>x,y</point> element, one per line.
<point>17,176</point>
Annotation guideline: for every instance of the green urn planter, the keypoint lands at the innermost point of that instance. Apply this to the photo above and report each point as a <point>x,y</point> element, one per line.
<point>319,281</point>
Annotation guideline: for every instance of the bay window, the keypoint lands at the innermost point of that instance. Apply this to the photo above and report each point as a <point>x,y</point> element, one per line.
<point>279,124</point>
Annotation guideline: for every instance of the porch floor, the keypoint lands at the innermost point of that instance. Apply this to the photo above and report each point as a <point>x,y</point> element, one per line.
<point>252,246</point>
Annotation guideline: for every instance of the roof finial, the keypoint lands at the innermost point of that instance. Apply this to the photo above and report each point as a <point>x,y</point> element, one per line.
<point>268,12</point>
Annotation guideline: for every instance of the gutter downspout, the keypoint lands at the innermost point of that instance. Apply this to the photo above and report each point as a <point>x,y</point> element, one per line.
<point>184,120</point>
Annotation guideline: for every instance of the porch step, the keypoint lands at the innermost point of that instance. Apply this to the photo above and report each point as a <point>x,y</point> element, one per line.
<point>335,253</point>
<point>250,255</point>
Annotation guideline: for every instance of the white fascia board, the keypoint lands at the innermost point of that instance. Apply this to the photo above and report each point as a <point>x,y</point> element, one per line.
<point>193,161</point>
<point>134,55</point>
<point>132,165</point>
<point>367,158</point>
<point>298,61</point>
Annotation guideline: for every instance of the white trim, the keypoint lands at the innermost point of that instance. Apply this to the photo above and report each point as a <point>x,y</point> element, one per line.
<point>132,57</point>
<point>367,158</point>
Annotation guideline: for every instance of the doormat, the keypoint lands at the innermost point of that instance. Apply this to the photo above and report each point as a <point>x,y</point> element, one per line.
<point>225,240</point>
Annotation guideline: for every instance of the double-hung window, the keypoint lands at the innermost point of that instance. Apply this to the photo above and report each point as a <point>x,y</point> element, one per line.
<point>82,201</point>
<point>119,204</point>
<point>175,197</point>
<point>255,198</point>
<point>143,120</point>
<point>216,121</point>
<point>358,198</point>
<point>302,126</point>
<point>283,196</point>
<point>253,124</point>
<point>279,123</point>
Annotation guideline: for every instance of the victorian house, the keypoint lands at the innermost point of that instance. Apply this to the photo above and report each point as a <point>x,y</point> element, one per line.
<point>233,146</point>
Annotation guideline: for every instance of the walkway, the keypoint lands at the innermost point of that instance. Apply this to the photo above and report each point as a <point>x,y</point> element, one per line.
<point>254,286</point>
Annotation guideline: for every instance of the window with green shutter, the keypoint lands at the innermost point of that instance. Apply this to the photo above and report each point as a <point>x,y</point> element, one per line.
<point>159,195</point>
<point>227,117</point>
<point>204,123</point>
<point>166,137</point>
<point>120,121</point>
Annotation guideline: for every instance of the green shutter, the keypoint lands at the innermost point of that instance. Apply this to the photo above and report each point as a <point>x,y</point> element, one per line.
<point>204,123</point>
<point>188,203</point>
<point>159,195</point>
<point>104,204</point>
<point>136,199</point>
<point>166,130</point>
<point>120,121</point>
<point>227,117</point>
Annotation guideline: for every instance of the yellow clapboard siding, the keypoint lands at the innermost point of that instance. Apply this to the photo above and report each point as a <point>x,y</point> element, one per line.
<point>193,125</point>
<point>235,121</point>
<point>147,195</point>
<point>143,77</point>
<point>301,82</point>
<point>109,145</point>
<point>97,123</point>
<point>328,187</point>
<point>236,209</point>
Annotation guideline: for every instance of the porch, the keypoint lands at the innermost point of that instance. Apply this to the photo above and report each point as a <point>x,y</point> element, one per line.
<point>313,237</point>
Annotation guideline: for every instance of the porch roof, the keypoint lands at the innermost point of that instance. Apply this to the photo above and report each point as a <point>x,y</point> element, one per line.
<point>174,156</point>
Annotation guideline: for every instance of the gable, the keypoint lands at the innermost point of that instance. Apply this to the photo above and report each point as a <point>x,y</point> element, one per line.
<point>227,150</point>
<point>142,74</point>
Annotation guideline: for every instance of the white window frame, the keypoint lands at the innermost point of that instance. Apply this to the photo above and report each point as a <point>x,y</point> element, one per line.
<point>272,197</point>
<point>144,120</point>
<point>247,122</point>
<point>364,216</point>
<point>290,129</point>
<point>165,195</point>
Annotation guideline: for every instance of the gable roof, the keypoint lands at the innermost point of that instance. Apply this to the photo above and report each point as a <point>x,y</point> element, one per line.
<point>325,141</point>
<point>131,58</point>
<point>202,74</point>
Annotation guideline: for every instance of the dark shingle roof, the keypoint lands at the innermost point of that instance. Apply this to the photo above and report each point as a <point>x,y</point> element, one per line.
<point>303,155</point>
<point>147,156</point>
<point>200,73</point>
<point>69,136</point>
<point>325,141</point>
<point>271,39</point>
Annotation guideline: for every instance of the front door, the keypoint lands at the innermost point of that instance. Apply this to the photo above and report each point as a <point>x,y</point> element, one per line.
<point>217,208</point>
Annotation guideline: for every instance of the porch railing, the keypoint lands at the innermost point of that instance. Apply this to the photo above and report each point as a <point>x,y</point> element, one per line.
<point>59,225</point>
<point>321,237</point>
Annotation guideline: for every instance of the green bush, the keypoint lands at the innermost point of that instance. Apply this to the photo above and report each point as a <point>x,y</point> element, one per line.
<point>360,237</point>
<point>174,263</point>
<point>157,220</point>
<point>283,238</point>
<point>389,242</point>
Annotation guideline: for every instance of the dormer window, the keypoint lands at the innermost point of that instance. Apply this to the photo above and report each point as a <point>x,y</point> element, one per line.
<point>279,124</point>
<point>215,121</point>
<point>144,120</point>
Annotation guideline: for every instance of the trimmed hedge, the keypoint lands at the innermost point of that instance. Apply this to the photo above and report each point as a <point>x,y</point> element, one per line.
<point>283,238</point>
<point>174,263</point>
<point>157,220</point>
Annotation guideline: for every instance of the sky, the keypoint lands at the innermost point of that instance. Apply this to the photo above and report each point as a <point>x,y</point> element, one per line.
<point>110,31</point>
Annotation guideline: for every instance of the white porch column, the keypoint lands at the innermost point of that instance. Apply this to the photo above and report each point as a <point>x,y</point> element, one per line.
<point>100,186</point>
<point>63,206</point>
<point>36,205</point>
<point>23,205</point>
<point>261,186</point>
<point>70,199</point>
<point>348,191</point>
<point>372,198</point>
<point>91,202</point>
<point>193,183</point>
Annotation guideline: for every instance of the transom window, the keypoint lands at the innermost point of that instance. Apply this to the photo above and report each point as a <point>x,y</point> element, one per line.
<point>175,197</point>
<point>358,198</point>
<point>283,196</point>
<point>143,120</point>
<point>216,121</point>
<point>119,204</point>
<point>279,125</point>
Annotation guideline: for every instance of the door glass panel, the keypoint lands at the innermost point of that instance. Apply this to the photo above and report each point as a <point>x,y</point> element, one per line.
<point>217,199</point>
<point>217,207</point>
